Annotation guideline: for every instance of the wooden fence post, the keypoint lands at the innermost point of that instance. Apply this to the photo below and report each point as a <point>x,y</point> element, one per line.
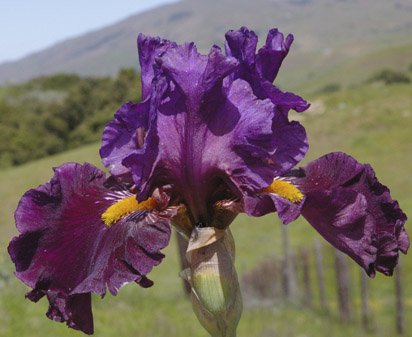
<point>320,275</point>
<point>307,284</point>
<point>342,282</point>
<point>288,270</point>
<point>400,316</point>
<point>366,315</point>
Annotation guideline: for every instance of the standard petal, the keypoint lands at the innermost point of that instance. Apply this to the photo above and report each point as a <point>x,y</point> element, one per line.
<point>195,74</point>
<point>65,251</point>
<point>211,122</point>
<point>270,57</point>
<point>126,133</point>
<point>149,48</point>
<point>123,135</point>
<point>241,44</point>
<point>260,69</point>
<point>352,210</point>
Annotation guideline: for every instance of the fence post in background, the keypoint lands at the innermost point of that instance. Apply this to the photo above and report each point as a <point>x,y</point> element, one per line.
<point>400,316</point>
<point>366,316</point>
<point>182,247</point>
<point>307,284</point>
<point>320,275</point>
<point>342,281</point>
<point>288,270</point>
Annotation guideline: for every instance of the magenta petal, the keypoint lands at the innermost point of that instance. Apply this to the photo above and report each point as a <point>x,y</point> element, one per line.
<point>348,206</point>
<point>75,310</point>
<point>65,251</point>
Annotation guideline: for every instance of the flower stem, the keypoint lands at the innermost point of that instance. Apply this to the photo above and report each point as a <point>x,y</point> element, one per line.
<point>215,292</point>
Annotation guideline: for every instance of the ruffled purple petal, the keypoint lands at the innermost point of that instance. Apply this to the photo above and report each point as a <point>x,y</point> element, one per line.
<point>65,251</point>
<point>150,48</point>
<point>284,101</point>
<point>123,135</point>
<point>126,133</point>
<point>195,74</point>
<point>260,69</point>
<point>208,120</point>
<point>270,57</point>
<point>233,141</point>
<point>290,143</point>
<point>242,44</point>
<point>352,210</point>
<point>204,130</point>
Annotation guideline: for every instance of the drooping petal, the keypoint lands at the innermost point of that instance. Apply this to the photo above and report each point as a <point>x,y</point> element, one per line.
<point>352,210</point>
<point>65,251</point>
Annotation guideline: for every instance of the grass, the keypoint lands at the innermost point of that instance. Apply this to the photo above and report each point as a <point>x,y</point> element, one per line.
<point>342,67</point>
<point>372,122</point>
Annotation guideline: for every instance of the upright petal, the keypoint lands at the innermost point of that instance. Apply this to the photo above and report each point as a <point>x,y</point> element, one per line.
<point>126,133</point>
<point>123,135</point>
<point>270,57</point>
<point>241,44</point>
<point>352,210</point>
<point>65,251</point>
<point>261,69</point>
<point>209,122</point>
<point>205,132</point>
<point>149,49</point>
<point>195,74</point>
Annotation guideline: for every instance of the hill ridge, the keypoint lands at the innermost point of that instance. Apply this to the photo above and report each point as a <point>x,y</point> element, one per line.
<point>321,27</point>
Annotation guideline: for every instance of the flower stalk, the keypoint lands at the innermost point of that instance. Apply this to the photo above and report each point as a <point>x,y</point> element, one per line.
<point>215,292</point>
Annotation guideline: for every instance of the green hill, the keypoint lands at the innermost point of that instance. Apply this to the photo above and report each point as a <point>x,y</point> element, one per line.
<point>370,121</point>
<point>327,32</point>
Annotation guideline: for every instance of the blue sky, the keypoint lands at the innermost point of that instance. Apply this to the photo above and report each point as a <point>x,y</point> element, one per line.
<point>31,25</point>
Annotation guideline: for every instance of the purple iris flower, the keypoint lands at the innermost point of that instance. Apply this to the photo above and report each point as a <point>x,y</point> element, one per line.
<point>210,138</point>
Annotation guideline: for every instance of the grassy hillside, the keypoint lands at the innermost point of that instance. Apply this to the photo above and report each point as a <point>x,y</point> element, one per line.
<point>371,122</point>
<point>348,70</point>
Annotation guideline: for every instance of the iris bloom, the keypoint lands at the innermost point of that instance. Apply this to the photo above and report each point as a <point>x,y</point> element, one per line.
<point>211,138</point>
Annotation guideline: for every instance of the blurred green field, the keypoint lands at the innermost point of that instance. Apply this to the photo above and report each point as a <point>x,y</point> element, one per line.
<point>372,122</point>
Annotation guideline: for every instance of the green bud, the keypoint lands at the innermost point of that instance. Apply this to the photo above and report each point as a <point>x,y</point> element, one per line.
<point>216,297</point>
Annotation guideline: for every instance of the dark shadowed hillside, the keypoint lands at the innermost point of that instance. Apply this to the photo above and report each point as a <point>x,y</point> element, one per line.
<point>328,32</point>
